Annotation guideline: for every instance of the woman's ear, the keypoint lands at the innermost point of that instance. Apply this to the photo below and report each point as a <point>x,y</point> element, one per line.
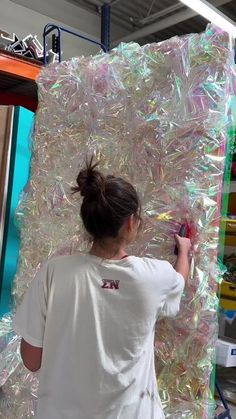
<point>130,223</point>
<point>133,223</point>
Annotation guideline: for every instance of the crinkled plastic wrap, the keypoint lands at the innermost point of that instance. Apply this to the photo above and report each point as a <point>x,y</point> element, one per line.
<point>157,115</point>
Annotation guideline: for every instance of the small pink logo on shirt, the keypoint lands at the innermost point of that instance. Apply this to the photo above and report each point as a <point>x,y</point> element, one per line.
<point>110,284</point>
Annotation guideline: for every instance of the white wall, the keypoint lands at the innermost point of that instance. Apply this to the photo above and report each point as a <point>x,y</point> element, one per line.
<point>25,17</point>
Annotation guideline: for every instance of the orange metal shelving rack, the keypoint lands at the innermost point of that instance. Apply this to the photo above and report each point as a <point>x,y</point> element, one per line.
<point>17,80</point>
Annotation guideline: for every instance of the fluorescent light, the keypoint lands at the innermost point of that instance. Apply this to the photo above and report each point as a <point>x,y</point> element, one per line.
<point>211,13</point>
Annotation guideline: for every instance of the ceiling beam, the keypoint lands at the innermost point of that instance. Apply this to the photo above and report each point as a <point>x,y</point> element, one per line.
<point>164,23</point>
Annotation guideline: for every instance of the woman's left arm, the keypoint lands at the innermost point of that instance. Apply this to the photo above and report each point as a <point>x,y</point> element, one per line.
<point>30,320</point>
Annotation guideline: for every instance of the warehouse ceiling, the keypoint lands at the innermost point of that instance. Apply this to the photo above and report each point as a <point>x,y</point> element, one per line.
<point>155,20</point>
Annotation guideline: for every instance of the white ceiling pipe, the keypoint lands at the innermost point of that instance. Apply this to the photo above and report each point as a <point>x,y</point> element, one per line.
<point>161,13</point>
<point>97,3</point>
<point>164,23</point>
<point>211,13</point>
<point>100,3</point>
<point>114,17</point>
<point>111,2</point>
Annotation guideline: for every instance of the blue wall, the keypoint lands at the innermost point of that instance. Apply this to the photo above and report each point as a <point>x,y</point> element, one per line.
<point>19,174</point>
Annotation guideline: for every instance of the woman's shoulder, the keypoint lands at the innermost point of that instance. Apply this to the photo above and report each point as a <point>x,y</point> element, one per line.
<point>150,262</point>
<point>65,260</point>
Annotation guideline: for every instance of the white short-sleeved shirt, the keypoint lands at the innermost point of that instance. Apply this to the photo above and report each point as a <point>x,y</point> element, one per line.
<point>95,320</point>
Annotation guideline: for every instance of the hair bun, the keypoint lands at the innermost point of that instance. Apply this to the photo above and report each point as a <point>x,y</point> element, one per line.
<point>90,181</point>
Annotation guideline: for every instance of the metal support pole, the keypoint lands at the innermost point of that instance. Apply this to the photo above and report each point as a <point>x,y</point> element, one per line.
<point>105,25</point>
<point>225,404</point>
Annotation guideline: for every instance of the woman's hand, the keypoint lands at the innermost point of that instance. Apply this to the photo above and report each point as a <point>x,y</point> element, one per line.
<point>182,262</point>
<point>183,244</point>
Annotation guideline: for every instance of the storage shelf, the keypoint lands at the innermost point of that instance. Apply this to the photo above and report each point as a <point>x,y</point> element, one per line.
<point>17,80</point>
<point>229,249</point>
<point>228,226</point>
<point>227,304</point>
<point>18,66</point>
<point>228,220</point>
<point>230,188</point>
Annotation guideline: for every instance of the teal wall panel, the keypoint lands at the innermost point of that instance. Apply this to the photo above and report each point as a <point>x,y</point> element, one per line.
<point>19,174</point>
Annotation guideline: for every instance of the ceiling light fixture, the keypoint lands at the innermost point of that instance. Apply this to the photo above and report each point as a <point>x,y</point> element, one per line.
<point>211,13</point>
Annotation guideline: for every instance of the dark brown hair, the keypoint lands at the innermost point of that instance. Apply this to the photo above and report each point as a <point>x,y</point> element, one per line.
<point>107,201</point>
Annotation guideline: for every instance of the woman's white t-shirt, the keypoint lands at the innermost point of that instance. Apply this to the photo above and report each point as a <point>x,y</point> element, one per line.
<point>95,320</point>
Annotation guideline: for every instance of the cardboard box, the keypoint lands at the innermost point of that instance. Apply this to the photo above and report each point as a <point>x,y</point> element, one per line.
<point>226,352</point>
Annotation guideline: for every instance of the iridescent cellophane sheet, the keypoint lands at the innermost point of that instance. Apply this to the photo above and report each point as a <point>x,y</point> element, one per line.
<point>158,116</point>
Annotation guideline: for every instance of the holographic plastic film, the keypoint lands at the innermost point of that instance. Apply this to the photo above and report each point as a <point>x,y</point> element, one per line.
<point>158,116</point>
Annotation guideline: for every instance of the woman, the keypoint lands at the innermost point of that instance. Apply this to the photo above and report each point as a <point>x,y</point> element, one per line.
<point>88,320</point>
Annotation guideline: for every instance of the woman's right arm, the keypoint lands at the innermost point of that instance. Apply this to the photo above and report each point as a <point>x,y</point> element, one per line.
<point>182,262</point>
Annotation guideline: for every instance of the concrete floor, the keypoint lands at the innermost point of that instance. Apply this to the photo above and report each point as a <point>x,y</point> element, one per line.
<point>233,411</point>
<point>220,410</point>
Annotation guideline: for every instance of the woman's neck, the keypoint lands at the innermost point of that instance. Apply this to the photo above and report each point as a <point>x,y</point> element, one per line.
<point>108,250</point>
